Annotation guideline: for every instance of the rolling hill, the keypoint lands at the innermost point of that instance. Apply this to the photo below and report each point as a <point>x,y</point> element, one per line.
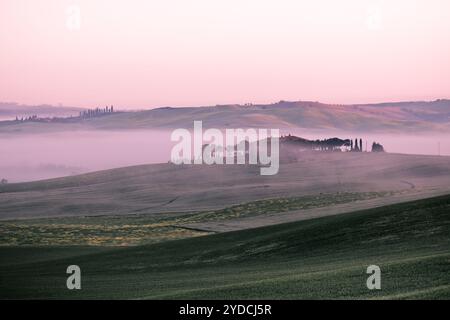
<point>167,187</point>
<point>384,117</point>
<point>319,258</point>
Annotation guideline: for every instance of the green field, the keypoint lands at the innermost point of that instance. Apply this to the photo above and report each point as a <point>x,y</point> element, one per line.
<point>134,229</point>
<point>319,258</point>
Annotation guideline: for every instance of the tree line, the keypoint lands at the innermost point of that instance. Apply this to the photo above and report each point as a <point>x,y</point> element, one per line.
<point>96,112</point>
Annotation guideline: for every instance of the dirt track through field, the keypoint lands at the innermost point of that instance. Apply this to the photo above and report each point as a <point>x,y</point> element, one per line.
<point>298,215</point>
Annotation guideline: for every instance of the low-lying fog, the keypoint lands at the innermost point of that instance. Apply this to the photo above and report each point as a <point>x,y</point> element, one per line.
<point>34,157</point>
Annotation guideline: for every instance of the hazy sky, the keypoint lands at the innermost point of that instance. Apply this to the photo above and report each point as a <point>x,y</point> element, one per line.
<point>200,52</point>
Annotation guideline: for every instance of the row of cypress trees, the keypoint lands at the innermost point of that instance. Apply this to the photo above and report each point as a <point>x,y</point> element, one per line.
<point>355,147</point>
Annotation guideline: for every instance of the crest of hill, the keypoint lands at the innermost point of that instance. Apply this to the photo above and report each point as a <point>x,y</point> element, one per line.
<point>402,116</point>
<point>383,117</point>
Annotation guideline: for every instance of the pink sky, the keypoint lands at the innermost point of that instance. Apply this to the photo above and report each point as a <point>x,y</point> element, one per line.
<point>205,52</point>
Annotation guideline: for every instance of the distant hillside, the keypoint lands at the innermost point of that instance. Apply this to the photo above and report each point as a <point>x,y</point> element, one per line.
<point>383,117</point>
<point>158,188</point>
<point>9,111</point>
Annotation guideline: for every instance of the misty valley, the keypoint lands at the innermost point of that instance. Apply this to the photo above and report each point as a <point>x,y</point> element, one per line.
<point>103,188</point>
<point>43,156</point>
<point>224,150</point>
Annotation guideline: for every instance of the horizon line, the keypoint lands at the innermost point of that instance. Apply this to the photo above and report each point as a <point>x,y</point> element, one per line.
<point>248,104</point>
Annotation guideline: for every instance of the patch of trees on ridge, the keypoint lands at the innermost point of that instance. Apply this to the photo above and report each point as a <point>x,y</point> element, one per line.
<point>331,144</point>
<point>90,113</point>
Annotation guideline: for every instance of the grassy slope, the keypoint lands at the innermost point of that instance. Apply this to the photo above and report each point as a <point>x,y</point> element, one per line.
<point>136,229</point>
<point>158,188</point>
<point>319,258</point>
